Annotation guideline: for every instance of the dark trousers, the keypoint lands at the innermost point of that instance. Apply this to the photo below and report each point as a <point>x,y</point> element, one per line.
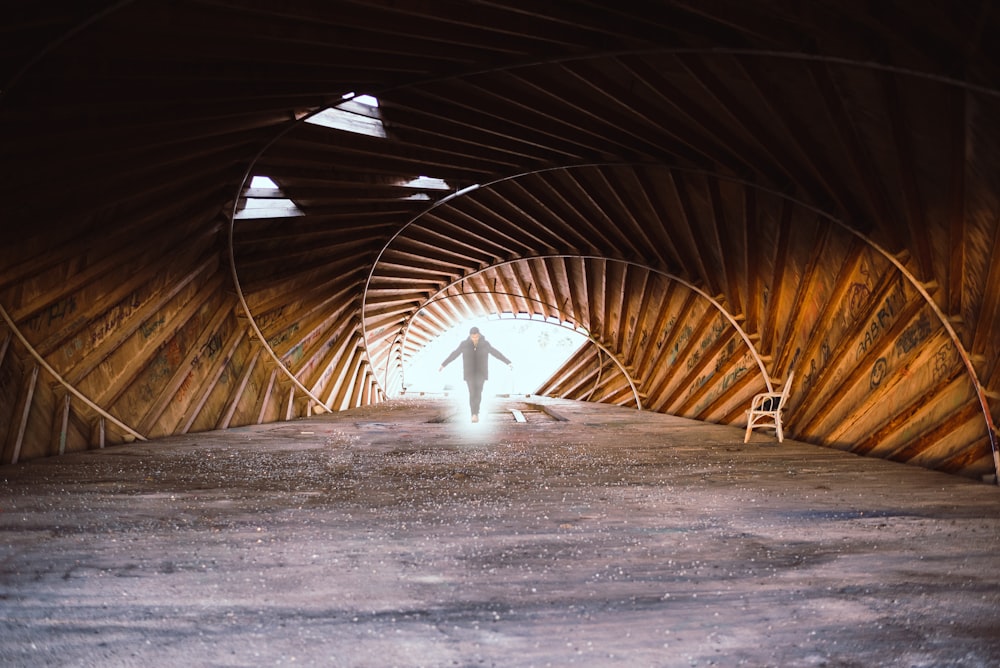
<point>475,394</point>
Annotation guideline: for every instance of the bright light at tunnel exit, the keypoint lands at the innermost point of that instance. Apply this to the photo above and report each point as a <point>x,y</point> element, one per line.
<point>536,349</point>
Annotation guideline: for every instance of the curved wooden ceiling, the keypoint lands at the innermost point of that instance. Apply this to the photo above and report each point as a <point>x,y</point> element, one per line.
<point>718,193</point>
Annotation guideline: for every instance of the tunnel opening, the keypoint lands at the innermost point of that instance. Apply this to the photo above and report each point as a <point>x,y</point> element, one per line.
<point>537,347</point>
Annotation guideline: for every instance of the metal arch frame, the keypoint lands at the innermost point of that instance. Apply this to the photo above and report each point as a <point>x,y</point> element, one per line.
<point>513,177</point>
<point>730,51</point>
<point>400,341</point>
<point>993,434</point>
<point>62,381</point>
<point>672,277</point>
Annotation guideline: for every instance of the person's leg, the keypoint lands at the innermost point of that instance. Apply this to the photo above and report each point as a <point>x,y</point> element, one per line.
<point>475,397</point>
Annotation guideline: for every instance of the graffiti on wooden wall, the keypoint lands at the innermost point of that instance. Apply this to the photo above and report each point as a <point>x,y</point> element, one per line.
<point>914,335</point>
<point>115,318</point>
<point>883,318</point>
<point>54,313</point>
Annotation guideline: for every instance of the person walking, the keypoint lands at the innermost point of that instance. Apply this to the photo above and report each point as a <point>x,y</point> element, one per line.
<point>475,352</point>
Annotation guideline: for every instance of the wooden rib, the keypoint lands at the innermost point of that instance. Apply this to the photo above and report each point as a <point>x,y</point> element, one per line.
<point>806,287</point>
<point>226,419</point>
<point>686,229</point>
<point>184,371</point>
<point>904,415</point>
<point>790,131</point>
<point>942,431</point>
<point>708,357</point>
<point>819,329</point>
<point>156,303</point>
<point>646,346</point>
<point>672,400</point>
<point>22,427</point>
<point>751,260</point>
<point>265,398</point>
<point>955,304</point>
<point>778,281</point>
<point>856,151</point>
<point>808,404</point>
<point>859,371</point>
<point>725,249</point>
<point>194,411</point>
<point>110,392</point>
<point>915,218</point>
<point>984,340</point>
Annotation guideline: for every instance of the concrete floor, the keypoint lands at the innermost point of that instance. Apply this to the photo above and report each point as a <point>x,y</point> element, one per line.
<point>397,536</point>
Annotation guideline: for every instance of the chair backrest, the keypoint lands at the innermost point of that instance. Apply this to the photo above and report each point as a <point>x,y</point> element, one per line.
<point>786,390</point>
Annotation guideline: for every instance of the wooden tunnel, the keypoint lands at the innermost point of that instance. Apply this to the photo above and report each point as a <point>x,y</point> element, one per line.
<point>221,213</point>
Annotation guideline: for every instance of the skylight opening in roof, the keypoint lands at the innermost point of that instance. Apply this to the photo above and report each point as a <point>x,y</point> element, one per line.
<point>263,199</point>
<point>263,182</point>
<point>427,183</point>
<point>367,100</point>
<point>359,115</point>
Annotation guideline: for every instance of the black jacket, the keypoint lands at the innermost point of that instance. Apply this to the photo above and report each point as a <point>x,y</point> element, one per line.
<point>475,359</point>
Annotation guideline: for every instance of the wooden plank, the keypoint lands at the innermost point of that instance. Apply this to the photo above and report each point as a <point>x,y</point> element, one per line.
<point>65,423</point>
<point>185,370</point>
<point>4,346</point>
<point>237,395</point>
<point>194,411</point>
<point>550,411</point>
<point>957,241</point>
<point>266,397</point>
<point>29,394</point>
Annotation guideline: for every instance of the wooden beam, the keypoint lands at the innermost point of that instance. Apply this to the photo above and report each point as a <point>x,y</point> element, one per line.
<point>29,395</point>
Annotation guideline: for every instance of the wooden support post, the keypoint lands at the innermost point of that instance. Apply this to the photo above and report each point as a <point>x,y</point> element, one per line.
<point>267,396</point>
<point>291,403</point>
<point>3,348</point>
<point>65,424</point>
<point>29,396</point>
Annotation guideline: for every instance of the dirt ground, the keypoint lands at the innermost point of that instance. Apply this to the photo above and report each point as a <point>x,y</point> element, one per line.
<point>399,535</point>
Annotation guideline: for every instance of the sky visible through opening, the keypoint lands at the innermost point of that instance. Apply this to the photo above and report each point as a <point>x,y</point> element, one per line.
<point>536,348</point>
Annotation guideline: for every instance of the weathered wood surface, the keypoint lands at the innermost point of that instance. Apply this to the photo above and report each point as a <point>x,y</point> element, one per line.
<point>715,195</point>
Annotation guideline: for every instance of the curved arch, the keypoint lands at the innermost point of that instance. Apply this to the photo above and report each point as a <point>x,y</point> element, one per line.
<point>62,381</point>
<point>730,317</point>
<point>788,55</point>
<point>907,275</point>
<point>401,341</point>
<point>673,277</point>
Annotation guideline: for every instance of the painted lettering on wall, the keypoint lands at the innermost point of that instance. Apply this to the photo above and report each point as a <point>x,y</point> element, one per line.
<point>115,318</point>
<point>681,341</point>
<point>814,367</point>
<point>914,334</point>
<point>149,327</point>
<point>57,311</point>
<point>266,320</point>
<point>944,361</point>
<point>881,321</point>
<point>281,337</point>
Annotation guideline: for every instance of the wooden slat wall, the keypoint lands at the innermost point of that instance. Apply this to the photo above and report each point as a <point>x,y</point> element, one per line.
<point>705,190</point>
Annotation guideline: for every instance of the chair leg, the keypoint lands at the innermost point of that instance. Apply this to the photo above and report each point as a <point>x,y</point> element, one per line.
<point>777,428</point>
<point>749,427</point>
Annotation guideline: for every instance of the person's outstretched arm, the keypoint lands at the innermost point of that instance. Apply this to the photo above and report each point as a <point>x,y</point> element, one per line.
<point>448,360</point>
<point>500,356</point>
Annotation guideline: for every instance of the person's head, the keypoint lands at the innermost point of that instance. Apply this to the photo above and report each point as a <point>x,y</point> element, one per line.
<point>474,334</point>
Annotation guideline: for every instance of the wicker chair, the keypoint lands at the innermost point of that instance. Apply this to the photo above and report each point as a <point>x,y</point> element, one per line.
<point>765,410</point>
